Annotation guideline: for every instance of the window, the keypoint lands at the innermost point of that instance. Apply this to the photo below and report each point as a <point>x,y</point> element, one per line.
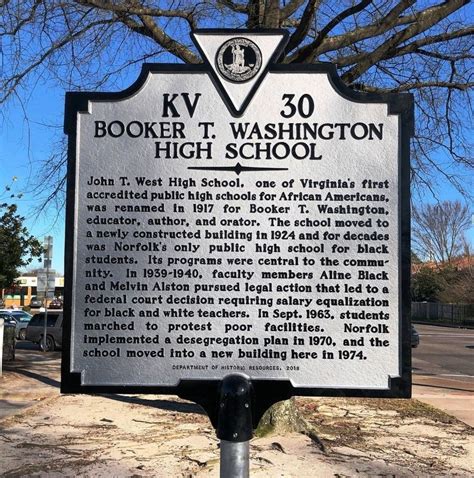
<point>38,320</point>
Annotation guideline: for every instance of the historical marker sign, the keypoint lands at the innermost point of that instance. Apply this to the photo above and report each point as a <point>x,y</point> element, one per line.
<point>238,216</point>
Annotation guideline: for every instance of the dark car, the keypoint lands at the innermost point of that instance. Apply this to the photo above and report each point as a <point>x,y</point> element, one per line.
<point>415,337</point>
<point>54,332</point>
<point>55,304</point>
<point>36,303</point>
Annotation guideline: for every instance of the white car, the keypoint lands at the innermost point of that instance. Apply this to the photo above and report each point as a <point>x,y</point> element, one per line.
<point>21,318</point>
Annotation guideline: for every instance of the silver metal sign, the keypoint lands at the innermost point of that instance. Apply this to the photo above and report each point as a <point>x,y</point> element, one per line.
<point>45,281</point>
<point>238,216</point>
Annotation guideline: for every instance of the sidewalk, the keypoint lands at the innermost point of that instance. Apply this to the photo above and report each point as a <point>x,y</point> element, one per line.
<point>33,376</point>
<point>451,395</point>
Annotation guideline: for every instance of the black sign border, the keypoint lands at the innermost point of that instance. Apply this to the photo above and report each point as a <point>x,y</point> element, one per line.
<point>267,392</point>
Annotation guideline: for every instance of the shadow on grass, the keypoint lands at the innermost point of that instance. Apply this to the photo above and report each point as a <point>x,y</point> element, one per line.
<point>169,405</point>
<point>37,376</point>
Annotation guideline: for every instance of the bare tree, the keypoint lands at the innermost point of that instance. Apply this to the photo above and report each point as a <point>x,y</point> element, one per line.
<point>438,230</point>
<point>379,45</point>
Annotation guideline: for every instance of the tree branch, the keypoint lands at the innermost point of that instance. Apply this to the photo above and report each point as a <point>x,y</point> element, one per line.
<point>10,84</point>
<point>132,8</point>
<point>421,42</point>
<point>302,30</point>
<point>255,13</point>
<point>291,8</point>
<point>414,86</point>
<point>427,19</point>
<point>433,84</point>
<point>339,41</point>
<point>235,7</point>
<point>21,23</point>
<point>413,47</point>
<point>164,40</point>
<point>334,22</point>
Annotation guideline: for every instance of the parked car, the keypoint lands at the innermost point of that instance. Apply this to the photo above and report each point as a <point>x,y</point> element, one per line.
<point>20,314</point>
<point>36,303</point>
<point>415,337</point>
<point>9,311</point>
<point>22,320</point>
<point>54,333</point>
<point>7,316</point>
<point>21,326</point>
<point>55,304</point>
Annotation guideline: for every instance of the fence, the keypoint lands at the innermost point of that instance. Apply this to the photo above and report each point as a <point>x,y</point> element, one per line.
<point>455,315</point>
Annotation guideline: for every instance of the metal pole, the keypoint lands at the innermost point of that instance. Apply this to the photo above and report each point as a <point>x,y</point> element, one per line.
<point>234,459</point>
<point>47,263</point>
<point>234,426</point>
<point>45,331</point>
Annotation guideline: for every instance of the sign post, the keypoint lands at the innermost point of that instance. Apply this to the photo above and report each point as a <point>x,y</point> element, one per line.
<point>44,284</point>
<point>234,426</point>
<point>238,218</point>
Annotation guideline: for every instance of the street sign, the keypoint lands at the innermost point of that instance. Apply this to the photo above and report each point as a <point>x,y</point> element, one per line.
<point>45,281</point>
<point>48,252</point>
<point>238,216</point>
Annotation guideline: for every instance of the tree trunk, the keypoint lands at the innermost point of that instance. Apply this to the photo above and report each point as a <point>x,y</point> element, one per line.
<point>272,14</point>
<point>284,417</point>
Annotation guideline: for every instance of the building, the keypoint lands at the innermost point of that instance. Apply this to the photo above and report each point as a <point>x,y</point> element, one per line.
<point>21,294</point>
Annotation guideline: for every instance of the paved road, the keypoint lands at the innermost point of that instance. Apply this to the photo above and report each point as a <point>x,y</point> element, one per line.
<point>443,370</point>
<point>445,352</point>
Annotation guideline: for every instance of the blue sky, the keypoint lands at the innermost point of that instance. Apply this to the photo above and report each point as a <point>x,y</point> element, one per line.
<point>30,130</point>
<point>24,144</point>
